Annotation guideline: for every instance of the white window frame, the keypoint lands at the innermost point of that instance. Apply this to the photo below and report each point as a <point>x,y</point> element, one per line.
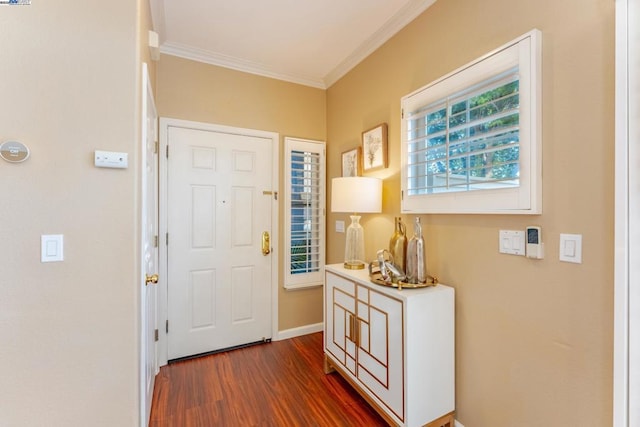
<point>524,52</point>
<point>316,278</point>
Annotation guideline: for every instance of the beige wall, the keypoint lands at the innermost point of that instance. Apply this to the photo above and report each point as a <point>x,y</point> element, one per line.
<point>194,91</point>
<point>69,330</point>
<point>533,338</point>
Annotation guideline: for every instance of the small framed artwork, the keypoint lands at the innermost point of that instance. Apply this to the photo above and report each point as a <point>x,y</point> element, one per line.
<point>374,148</point>
<point>351,162</point>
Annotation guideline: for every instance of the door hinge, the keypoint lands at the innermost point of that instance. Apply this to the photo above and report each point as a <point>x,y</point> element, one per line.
<point>167,326</point>
<point>166,239</point>
<point>167,152</point>
<point>156,147</point>
<point>402,195</point>
<point>156,335</point>
<point>155,241</point>
<point>402,113</point>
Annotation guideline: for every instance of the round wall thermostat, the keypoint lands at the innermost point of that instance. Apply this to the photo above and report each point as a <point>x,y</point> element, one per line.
<point>14,151</point>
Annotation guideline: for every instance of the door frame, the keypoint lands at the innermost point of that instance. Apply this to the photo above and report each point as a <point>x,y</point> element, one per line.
<point>165,124</point>
<point>626,372</point>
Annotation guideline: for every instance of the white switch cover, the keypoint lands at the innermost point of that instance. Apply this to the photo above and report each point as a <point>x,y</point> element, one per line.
<point>51,247</point>
<point>512,242</point>
<point>339,226</point>
<point>110,159</point>
<point>571,248</point>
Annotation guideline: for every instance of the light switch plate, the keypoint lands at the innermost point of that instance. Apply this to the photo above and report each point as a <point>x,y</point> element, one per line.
<point>571,248</point>
<point>51,247</point>
<point>339,226</point>
<point>512,242</point>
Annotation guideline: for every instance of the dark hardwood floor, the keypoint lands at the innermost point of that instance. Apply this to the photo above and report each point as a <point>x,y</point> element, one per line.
<point>274,384</point>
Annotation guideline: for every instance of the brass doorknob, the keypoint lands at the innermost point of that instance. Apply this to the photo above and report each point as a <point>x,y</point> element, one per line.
<point>153,279</point>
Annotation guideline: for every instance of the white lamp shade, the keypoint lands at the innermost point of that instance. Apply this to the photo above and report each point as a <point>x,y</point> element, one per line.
<point>356,194</point>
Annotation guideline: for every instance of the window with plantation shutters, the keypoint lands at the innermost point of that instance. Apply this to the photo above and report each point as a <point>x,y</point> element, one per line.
<point>471,140</point>
<point>305,213</point>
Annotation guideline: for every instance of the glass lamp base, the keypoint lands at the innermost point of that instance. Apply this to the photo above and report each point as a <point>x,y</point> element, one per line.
<point>354,265</point>
<point>354,245</point>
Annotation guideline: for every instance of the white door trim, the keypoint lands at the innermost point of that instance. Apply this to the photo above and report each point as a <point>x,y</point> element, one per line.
<point>626,374</point>
<point>165,124</point>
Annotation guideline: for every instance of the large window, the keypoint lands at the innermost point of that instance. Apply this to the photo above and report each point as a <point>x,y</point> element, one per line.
<point>470,140</point>
<point>305,213</point>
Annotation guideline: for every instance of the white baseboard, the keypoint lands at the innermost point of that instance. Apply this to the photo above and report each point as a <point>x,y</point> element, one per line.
<point>296,332</point>
<point>458,423</point>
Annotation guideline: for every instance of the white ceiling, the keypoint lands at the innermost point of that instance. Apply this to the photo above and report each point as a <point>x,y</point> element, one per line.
<point>313,43</point>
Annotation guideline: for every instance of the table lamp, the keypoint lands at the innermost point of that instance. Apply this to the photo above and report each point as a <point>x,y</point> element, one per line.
<point>355,194</point>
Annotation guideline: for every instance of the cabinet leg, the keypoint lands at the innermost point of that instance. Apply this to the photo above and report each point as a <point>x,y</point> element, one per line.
<point>328,367</point>
<point>444,421</point>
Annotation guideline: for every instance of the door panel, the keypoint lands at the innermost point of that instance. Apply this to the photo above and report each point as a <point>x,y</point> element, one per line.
<point>219,290</point>
<point>204,217</point>
<point>202,298</point>
<point>149,232</point>
<point>242,294</point>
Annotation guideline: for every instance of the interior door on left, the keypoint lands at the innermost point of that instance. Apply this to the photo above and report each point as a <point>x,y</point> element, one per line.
<point>149,249</point>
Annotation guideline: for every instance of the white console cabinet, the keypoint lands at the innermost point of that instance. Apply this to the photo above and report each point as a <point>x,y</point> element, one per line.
<point>395,347</point>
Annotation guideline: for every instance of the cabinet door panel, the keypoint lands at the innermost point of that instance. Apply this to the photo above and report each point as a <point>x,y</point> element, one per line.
<point>363,311</point>
<point>374,368</point>
<point>335,332</point>
<point>344,300</point>
<point>343,284</point>
<point>380,338</point>
<point>352,348</point>
<point>363,293</point>
<point>365,336</point>
<point>381,368</point>
<point>340,307</point>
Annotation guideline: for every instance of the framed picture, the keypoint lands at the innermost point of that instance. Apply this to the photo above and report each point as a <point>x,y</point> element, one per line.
<point>374,148</point>
<point>351,163</point>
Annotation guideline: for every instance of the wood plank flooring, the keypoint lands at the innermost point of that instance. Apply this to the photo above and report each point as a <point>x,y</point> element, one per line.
<point>274,384</point>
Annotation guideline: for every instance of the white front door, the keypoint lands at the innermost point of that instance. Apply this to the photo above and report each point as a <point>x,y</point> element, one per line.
<point>219,206</point>
<point>149,248</point>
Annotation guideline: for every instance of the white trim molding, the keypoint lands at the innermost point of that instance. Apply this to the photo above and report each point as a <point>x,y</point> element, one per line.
<point>299,331</point>
<point>408,13</point>
<point>238,64</point>
<point>626,372</point>
<point>397,22</point>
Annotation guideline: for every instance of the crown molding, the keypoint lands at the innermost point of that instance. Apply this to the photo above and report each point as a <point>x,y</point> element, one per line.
<point>397,22</point>
<point>157,18</point>
<point>238,64</point>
